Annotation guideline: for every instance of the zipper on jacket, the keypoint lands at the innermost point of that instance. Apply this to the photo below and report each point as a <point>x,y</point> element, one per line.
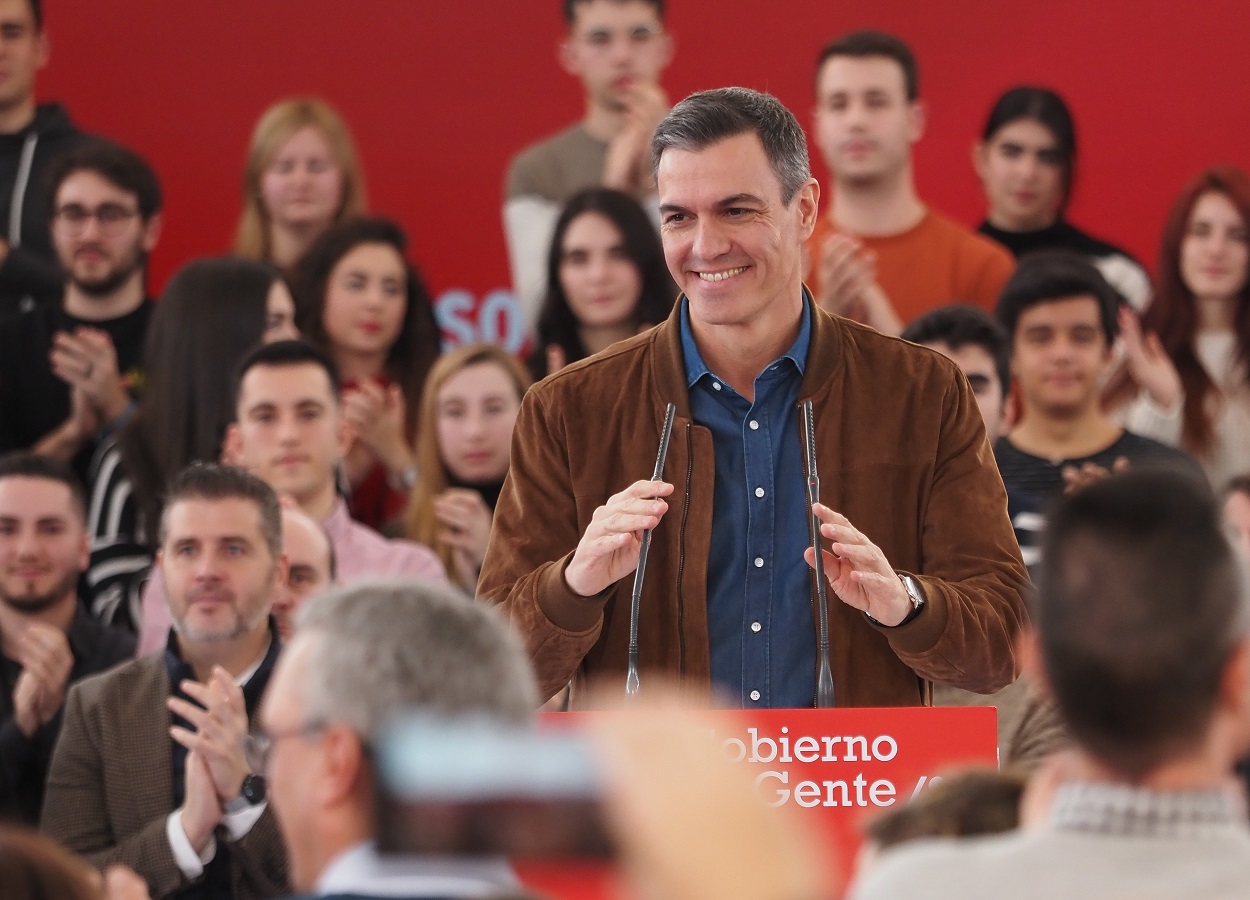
<point>681,557</point>
<point>18,203</point>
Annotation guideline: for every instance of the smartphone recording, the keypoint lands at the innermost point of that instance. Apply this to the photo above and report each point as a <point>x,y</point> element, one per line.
<point>472,787</point>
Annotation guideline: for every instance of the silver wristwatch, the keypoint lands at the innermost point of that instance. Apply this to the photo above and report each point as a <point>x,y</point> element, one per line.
<point>915,593</point>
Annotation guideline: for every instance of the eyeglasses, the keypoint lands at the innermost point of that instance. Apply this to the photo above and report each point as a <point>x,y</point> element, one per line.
<point>112,217</point>
<point>258,745</point>
<point>601,39</point>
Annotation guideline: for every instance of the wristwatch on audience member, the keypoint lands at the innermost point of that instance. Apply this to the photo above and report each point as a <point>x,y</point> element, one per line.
<point>915,593</point>
<point>252,793</point>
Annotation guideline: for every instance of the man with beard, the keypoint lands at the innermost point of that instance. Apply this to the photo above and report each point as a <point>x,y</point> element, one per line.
<point>150,770</point>
<point>47,640</point>
<point>65,371</point>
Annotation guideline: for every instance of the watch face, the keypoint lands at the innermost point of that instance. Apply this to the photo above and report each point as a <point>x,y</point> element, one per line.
<point>253,789</point>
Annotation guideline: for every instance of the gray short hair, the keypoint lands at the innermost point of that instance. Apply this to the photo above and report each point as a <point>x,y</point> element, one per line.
<point>709,117</point>
<point>387,646</point>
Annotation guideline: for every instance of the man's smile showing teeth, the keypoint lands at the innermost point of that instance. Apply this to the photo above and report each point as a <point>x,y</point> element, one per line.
<point>721,276</point>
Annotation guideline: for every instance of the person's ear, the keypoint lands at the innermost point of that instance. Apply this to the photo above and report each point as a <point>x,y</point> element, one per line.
<point>152,232</point>
<point>84,549</point>
<point>669,48</point>
<point>980,160</point>
<point>43,50</point>
<point>346,435</point>
<point>343,765</point>
<point>808,198</point>
<point>566,53</point>
<point>232,446</point>
<point>284,568</point>
<point>919,115</point>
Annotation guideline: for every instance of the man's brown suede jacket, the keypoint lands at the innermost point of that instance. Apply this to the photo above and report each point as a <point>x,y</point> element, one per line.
<point>901,452</point>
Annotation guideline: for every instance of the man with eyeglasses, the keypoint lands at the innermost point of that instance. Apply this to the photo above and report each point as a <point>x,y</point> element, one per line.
<point>151,769</point>
<point>66,370</point>
<point>618,48</point>
<point>361,655</point>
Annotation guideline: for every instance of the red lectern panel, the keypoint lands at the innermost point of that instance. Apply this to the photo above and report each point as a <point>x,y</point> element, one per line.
<point>833,766</point>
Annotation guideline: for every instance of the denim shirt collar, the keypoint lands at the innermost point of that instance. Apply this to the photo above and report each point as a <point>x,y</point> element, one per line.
<point>696,368</point>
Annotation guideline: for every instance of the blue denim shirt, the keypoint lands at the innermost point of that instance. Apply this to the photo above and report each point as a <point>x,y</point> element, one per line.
<point>759,607</point>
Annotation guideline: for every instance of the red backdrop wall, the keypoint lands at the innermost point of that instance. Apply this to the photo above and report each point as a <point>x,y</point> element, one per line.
<point>440,95</point>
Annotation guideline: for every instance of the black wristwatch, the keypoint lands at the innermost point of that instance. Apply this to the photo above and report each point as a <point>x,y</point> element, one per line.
<point>252,793</point>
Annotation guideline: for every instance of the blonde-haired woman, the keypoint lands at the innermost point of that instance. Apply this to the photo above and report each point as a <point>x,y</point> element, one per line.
<point>301,177</point>
<point>470,403</point>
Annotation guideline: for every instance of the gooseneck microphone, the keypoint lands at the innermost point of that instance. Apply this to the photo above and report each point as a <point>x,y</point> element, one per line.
<point>824,677</point>
<point>635,600</point>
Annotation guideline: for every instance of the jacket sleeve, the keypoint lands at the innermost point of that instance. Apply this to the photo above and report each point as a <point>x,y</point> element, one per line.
<point>24,272</point>
<point>973,578</point>
<point>75,811</point>
<point>535,531</point>
<point>261,856</point>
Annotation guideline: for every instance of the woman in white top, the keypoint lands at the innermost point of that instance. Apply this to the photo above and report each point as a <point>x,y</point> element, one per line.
<point>1201,314</point>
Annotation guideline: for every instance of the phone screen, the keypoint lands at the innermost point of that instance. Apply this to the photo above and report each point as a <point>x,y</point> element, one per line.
<point>474,787</point>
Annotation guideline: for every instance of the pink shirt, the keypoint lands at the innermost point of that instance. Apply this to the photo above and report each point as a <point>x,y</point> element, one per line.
<point>359,551</point>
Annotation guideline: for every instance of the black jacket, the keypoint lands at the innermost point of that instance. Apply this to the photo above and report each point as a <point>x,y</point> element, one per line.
<point>24,761</point>
<point>29,272</point>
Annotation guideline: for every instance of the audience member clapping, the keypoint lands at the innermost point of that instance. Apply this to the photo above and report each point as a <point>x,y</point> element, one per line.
<point>150,770</point>
<point>879,254</point>
<point>66,369</point>
<point>606,280</point>
<point>300,178</point>
<point>1201,314</point>
<point>361,302</point>
<point>470,405</point>
<point>47,638</point>
<point>1063,318</point>
<point>1026,161</point>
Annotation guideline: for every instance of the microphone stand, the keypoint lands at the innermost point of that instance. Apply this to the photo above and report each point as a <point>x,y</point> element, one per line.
<point>824,678</point>
<point>635,600</point>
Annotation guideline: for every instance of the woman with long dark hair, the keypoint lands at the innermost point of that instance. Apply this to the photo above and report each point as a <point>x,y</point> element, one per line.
<point>606,279</point>
<point>1026,161</point>
<point>360,301</point>
<point>1201,314</point>
<point>212,312</point>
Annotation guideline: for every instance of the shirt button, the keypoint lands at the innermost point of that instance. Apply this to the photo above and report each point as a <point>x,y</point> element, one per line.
<point>759,562</point>
<point>756,626</point>
<point>755,695</point>
<point>716,385</point>
<point>759,492</point>
<point>755,426</point>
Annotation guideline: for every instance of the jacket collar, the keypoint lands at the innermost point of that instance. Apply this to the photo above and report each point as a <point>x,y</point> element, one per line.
<point>824,359</point>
